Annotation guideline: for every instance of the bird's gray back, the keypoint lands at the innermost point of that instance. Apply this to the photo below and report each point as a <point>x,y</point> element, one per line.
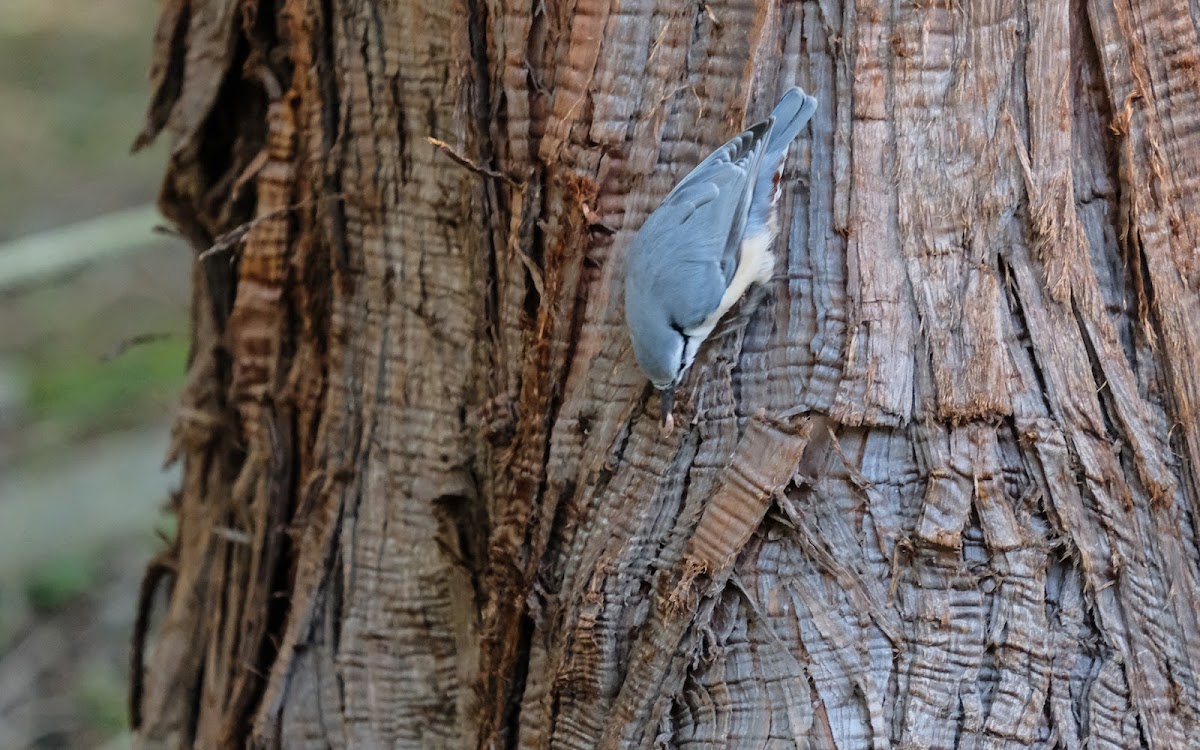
<point>675,269</point>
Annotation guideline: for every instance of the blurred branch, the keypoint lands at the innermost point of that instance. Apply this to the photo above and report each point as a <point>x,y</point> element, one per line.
<point>41,258</point>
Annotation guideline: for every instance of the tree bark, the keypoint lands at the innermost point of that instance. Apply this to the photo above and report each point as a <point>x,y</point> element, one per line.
<point>939,491</point>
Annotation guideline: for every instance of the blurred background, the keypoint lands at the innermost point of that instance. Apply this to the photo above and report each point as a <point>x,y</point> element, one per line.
<point>93,337</point>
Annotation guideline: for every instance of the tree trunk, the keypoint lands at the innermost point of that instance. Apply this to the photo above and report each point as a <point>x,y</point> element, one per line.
<point>940,490</point>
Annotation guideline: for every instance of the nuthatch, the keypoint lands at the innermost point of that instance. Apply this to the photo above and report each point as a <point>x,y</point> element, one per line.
<point>709,241</point>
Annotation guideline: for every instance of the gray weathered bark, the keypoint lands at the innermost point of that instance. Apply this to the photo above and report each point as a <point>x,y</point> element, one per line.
<point>939,492</point>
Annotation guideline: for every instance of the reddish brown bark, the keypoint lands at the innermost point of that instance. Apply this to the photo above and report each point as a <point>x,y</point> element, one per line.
<point>938,492</point>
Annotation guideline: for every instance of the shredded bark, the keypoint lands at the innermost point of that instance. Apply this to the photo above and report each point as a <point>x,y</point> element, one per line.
<point>936,490</point>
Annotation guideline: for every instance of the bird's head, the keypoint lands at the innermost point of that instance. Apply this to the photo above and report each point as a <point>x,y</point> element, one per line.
<point>658,346</point>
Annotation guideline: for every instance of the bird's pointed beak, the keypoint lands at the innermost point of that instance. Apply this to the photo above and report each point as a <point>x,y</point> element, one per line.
<point>668,401</point>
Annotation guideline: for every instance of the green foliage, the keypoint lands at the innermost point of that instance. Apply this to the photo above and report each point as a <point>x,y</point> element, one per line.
<point>60,580</point>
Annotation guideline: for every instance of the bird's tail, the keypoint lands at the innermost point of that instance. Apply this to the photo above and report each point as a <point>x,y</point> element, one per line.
<point>792,113</point>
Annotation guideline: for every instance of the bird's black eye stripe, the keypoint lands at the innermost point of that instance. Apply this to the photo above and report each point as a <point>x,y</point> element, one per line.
<point>683,354</point>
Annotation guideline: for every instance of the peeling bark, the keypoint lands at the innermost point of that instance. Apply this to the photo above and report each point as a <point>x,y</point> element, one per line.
<point>938,492</point>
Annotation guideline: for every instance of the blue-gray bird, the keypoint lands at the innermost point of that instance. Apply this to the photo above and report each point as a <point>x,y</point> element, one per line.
<point>709,241</point>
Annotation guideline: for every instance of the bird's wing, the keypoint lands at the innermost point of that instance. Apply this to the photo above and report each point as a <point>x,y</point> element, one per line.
<point>676,258</point>
<point>732,170</point>
<point>737,150</point>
